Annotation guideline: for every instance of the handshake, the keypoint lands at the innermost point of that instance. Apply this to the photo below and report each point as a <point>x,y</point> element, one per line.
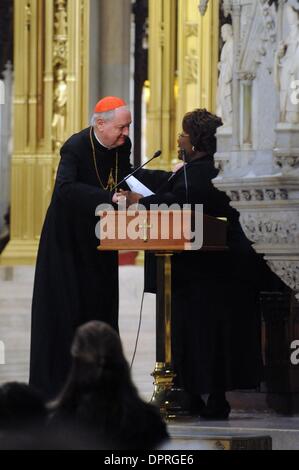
<point>126,197</point>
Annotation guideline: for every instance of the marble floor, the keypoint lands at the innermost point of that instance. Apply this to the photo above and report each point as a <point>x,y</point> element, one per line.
<point>16,287</point>
<point>15,301</point>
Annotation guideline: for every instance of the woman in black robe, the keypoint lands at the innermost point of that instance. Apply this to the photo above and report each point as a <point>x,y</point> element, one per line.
<point>216,338</point>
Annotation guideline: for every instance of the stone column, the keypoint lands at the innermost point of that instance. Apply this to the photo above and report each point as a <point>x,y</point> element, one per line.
<point>111,41</point>
<point>236,14</point>
<point>47,36</point>
<point>183,56</point>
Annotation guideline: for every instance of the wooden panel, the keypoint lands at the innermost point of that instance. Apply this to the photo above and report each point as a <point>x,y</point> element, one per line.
<point>158,230</point>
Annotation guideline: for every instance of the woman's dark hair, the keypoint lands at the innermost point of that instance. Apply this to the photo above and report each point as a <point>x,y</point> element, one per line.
<point>98,359</point>
<point>100,402</point>
<point>201,127</point>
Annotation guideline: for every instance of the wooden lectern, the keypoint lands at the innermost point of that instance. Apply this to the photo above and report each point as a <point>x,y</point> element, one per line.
<point>164,233</point>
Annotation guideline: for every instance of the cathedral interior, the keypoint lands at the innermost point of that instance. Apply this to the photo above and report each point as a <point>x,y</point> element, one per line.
<point>236,58</point>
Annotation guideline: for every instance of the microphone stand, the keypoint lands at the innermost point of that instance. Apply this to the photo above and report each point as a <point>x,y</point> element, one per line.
<point>156,154</point>
<point>185,176</point>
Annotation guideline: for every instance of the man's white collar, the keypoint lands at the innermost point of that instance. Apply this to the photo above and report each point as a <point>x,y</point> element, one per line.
<point>95,134</point>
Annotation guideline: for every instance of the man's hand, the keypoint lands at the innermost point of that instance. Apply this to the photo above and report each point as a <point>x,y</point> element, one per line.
<point>114,198</point>
<point>132,197</point>
<point>117,194</point>
<point>122,192</point>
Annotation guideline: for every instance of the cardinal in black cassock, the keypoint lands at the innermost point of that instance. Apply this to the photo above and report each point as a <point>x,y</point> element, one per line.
<point>74,282</point>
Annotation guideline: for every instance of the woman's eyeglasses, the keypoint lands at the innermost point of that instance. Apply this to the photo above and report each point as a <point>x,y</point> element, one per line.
<point>181,135</point>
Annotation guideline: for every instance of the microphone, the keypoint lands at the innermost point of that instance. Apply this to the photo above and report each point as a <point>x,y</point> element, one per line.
<point>174,173</point>
<point>183,153</point>
<point>156,155</point>
<point>171,176</point>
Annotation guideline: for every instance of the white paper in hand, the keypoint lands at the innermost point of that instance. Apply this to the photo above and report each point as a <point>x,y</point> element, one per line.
<point>136,186</point>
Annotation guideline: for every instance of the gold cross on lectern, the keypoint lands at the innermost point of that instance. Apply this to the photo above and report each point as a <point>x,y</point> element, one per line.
<point>144,226</point>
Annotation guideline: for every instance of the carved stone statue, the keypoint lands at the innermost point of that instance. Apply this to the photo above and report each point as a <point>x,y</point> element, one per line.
<point>286,69</point>
<point>60,99</point>
<point>225,66</point>
<point>61,18</point>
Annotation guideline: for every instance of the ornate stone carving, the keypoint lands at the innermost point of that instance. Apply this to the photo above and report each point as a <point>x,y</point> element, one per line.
<point>59,117</point>
<point>270,194</point>
<point>221,163</point>
<point>203,5</point>
<point>60,33</point>
<point>259,194</point>
<point>247,76</point>
<point>272,228</point>
<point>225,80</point>
<point>288,271</point>
<point>258,35</point>
<point>281,193</point>
<point>269,21</point>
<point>245,195</point>
<point>286,68</point>
<point>28,15</point>
<point>59,66</point>
<point>226,6</point>
<point>162,34</point>
<point>262,180</point>
<point>191,29</point>
<point>191,67</point>
<point>234,195</point>
<point>191,58</point>
<point>287,163</point>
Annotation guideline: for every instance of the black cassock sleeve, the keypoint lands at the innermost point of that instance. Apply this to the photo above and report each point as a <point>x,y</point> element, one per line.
<point>153,179</point>
<point>75,194</point>
<point>167,194</point>
<point>174,191</point>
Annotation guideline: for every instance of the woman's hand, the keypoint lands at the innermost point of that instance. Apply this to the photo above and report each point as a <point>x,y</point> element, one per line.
<point>131,197</point>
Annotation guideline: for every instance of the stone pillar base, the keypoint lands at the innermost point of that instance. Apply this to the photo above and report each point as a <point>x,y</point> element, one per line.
<point>286,151</point>
<point>19,252</point>
<point>224,142</point>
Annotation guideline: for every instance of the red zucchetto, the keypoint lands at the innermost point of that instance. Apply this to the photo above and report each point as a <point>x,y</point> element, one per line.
<point>108,104</point>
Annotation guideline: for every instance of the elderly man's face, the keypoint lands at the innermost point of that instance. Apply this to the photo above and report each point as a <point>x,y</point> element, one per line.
<point>114,132</point>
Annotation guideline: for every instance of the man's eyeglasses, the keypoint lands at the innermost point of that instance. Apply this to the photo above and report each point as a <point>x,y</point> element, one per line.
<point>181,135</point>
